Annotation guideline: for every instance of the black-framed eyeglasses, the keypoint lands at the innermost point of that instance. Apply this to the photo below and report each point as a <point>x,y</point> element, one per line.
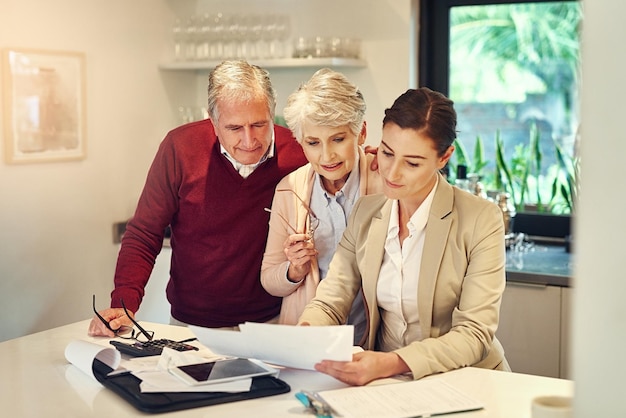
<point>126,331</point>
<point>313,220</point>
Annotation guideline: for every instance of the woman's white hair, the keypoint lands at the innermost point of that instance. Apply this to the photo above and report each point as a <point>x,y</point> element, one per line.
<point>327,99</point>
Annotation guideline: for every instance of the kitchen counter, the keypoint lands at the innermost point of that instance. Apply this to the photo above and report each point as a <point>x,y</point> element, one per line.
<point>545,264</point>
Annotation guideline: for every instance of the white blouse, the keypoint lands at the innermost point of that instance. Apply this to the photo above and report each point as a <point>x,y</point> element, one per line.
<point>398,279</point>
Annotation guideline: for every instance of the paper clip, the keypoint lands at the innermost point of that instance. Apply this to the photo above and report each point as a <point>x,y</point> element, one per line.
<point>316,404</point>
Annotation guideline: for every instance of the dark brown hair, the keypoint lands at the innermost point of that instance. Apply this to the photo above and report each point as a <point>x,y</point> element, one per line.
<point>427,111</point>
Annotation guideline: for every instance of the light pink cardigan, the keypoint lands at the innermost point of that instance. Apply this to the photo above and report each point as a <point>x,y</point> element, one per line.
<point>274,266</point>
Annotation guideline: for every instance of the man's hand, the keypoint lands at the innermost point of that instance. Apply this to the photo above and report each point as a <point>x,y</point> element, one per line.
<point>116,318</point>
<point>364,367</point>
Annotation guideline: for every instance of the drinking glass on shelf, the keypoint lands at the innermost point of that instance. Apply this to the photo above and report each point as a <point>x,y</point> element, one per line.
<point>281,32</point>
<point>190,31</point>
<point>203,36</point>
<point>230,39</point>
<point>217,36</point>
<point>302,48</point>
<point>178,37</point>
<point>264,39</point>
<point>244,35</point>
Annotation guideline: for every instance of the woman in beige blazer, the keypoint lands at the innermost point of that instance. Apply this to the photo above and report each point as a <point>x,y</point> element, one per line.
<point>326,117</point>
<point>429,257</point>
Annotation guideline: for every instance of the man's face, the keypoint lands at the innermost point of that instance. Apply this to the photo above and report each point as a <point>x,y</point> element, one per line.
<point>244,129</point>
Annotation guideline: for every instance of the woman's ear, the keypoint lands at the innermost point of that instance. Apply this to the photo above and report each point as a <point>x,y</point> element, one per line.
<point>363,134</point>
<point>446,157</point>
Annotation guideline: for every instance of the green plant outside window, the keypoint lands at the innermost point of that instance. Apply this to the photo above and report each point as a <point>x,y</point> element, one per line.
<point>514,77</point>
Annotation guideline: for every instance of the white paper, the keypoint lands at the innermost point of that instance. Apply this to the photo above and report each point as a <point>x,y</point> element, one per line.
<point>284,345</point>
<point>153,370</point>
<point>85,386</point>
<point>172,358</point>
<point>83,353</point>
<point>163,381</point>
<point>419,398</point>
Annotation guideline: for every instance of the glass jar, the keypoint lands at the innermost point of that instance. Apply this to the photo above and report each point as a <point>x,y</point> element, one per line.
<point>508,211</point>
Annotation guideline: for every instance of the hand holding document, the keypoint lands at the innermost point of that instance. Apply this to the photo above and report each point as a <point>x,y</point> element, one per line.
<point>284,345</point>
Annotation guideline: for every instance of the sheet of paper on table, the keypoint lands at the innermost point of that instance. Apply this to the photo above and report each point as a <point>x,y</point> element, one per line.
<point>419,398</point>
<point>153,371</point>
<point>283,345</point>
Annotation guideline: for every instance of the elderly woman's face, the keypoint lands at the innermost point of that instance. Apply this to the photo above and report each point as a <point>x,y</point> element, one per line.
<point>332,152</point>
<point>244,129</point>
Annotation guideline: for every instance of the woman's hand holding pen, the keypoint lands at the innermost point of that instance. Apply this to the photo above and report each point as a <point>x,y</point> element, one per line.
<point>299,250</point>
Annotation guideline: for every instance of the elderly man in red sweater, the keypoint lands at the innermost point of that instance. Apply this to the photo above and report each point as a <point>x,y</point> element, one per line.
<point>210,182</point>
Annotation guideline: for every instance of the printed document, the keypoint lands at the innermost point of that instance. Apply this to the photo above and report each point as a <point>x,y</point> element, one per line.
<point>419,398</point>
<point>283,345</point>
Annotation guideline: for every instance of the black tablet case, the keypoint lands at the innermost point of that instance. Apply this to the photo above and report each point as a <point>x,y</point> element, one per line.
<point>127,386</point>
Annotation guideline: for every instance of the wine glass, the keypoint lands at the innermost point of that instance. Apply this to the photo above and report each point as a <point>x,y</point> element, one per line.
<point>217,36</point>
<point>178,36</point>
<point>281,33</point>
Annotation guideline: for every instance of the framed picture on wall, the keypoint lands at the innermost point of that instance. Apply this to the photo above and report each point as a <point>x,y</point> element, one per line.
<point>44,105</point>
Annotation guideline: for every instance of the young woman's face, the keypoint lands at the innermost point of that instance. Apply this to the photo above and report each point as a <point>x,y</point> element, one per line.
<point>408,163</point>
<point>332,152</point>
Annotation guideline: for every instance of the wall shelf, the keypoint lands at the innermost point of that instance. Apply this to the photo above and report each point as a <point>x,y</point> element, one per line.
<point>269,63</point>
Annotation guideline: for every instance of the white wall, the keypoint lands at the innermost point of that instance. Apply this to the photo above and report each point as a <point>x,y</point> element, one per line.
<point>56,246</point>
<point>56,219</point>
<point>599,317</point>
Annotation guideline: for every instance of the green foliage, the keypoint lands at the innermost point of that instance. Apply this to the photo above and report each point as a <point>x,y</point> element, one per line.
<point>521,174</point>
<point>280,120</point>
<point>565,184</point>
<point>539,39</point>
<point>474,165</point>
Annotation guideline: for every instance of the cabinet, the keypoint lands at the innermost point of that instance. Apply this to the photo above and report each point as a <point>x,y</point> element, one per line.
<point>566,312</point>
<point>155,307</point>
<point>532,328</point>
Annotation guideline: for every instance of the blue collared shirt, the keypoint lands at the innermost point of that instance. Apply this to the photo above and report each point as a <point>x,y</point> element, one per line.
<point>332,212</point>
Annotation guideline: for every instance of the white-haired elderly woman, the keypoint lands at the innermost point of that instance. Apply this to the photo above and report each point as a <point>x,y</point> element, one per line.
<point>311,205</point>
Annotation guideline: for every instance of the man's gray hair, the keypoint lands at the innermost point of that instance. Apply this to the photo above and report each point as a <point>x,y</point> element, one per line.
<point>239,81</point>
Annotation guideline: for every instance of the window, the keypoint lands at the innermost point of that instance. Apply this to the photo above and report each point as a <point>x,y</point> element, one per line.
<point>512,69</point>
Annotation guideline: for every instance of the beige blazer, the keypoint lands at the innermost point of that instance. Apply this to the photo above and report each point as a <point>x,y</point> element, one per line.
<point>461,280</point>
<point>275,264</point>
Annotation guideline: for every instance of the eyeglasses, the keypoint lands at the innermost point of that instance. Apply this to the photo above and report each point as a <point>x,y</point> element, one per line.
<point>126,331</point>
<point>313,220</point>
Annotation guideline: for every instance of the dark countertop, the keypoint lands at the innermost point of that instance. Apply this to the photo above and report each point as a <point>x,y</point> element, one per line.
<point>543,264</point>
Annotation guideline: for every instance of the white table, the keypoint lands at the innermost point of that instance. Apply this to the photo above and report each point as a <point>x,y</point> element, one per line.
<point>36,381</point>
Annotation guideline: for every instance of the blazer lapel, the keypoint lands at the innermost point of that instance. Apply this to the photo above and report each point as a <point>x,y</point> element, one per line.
<point>437,230</point>
<point>371,263</point>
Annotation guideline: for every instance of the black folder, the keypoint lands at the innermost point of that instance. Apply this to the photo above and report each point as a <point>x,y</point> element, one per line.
<point>127,386</point>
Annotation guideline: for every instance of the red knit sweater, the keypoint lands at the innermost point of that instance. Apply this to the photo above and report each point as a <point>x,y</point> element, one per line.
<point>219,229</point>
